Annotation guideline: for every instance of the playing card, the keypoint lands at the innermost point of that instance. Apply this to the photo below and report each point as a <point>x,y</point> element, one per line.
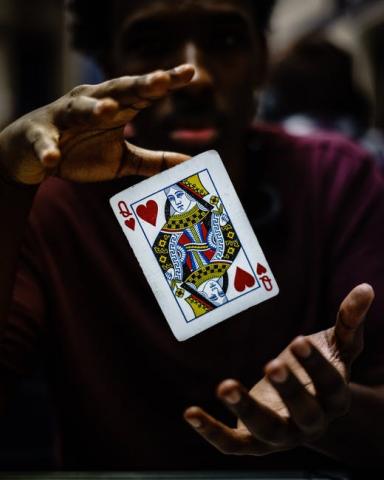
<point>195,244</point>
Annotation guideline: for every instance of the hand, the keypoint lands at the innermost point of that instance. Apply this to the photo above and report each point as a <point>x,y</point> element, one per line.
<point>80,136</point>
<point>304,389</point>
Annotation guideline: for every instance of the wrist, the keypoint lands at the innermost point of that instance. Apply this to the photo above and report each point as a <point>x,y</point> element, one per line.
<point>8,168</point>
<point>10,183</point>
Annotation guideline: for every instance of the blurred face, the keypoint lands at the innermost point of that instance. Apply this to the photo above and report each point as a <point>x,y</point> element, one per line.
<point>214,293</point>
<point>220,39</point>
<point>179,200</point>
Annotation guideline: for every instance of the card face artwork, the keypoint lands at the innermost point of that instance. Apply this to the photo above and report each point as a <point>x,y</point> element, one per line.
<point>195,244</point>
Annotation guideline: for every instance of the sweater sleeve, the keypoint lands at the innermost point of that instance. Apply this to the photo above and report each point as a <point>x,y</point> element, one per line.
<point>353,212</point>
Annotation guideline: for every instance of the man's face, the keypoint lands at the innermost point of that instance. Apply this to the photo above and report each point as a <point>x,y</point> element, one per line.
<point>220,39</point>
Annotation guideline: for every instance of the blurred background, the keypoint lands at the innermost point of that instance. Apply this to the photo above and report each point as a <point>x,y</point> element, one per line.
<point>327,72</point>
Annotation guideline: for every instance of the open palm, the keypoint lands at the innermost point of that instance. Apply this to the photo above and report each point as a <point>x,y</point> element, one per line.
<point>303,390</point>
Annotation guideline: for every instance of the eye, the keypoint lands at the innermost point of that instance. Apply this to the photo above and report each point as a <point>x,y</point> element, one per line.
<point>231,39</point>
<point>179,194</point>
<point>171,198</point>
<point>149,44</point>
<point>228,37</point>
<point>155,45</point>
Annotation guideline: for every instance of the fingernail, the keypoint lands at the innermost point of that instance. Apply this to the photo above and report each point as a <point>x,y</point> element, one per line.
<point>50,157</point>
<point>279,375</point>
<point>302,349</point>
<point>98,108</point>
<point>195,422</point>
<point>181,68</point>
<point>232,397</point>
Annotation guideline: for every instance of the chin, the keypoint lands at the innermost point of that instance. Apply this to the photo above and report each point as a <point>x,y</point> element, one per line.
<point>192,149</point>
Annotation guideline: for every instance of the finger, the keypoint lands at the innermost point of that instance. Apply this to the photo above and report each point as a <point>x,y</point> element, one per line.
<point>263,423</point>
<point>351,315</point>
<point>140,91</point>
<point>305,411</point>
<point>180,76</point>
<point>83,109</point>
<point>225,439</point>
<point>139,161</point>
<point>331,389</point>
<point>44,142</point>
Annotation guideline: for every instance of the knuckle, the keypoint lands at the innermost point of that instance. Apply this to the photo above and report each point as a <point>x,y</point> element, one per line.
<point>34,133</point>
<point>313,422</point>
<point>155,74</point>
<point>113,84</point>
<point>78,90</point>
<point>69,106</point>
<point>121,83</point>
<point>137,84</point>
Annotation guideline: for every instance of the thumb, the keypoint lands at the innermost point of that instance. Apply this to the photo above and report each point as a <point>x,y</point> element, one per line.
<point>350,318</point>
<point>139,161</point>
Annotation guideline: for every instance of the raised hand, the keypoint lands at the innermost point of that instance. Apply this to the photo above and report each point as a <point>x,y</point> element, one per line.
<point>304,389</point>
<point>80,136</point>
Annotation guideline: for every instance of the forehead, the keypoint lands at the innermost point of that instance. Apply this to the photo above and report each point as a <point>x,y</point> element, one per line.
<point>134,12</point>
<point>175,189</point>
<point>211,284</point>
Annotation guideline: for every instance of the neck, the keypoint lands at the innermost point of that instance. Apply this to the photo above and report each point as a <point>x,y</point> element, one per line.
<point>235,160</point>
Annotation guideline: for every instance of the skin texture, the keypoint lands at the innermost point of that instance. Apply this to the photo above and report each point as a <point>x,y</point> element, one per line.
<point>305,397</point>
<point>304,389</point>
<point>79,137</point>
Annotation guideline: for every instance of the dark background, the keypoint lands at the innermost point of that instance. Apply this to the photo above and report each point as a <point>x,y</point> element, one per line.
<point>37,65</point>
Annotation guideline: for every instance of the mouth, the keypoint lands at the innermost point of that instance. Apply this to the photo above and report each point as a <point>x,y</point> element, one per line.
<point>194,136</point>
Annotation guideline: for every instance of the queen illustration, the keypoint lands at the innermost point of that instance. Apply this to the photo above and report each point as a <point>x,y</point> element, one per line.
<point>197,245</point>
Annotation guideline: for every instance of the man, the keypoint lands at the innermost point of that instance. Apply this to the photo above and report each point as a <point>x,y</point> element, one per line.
<point>119,379</point>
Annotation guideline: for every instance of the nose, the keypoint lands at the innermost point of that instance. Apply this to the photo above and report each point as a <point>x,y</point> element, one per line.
<point>203,76</point>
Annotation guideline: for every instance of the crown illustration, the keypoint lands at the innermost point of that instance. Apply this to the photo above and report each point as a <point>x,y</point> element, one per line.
<point>198,305</point>
<point>207,272</point>
<point>194,186</point>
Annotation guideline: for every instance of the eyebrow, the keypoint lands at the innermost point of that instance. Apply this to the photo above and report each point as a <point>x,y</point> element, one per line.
<point>148,23</point>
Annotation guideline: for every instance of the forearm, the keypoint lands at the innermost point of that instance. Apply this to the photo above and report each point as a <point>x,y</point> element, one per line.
<point>15,204</point>
<point>357,437</point>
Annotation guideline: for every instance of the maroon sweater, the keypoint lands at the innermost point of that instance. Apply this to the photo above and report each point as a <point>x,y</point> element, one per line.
<point>119,379</point>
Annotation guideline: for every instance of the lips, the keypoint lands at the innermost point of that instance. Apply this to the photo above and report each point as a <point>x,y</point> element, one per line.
<point>196,136</point>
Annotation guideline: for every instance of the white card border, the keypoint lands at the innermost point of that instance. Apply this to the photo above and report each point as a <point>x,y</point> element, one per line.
<point>152,270</point>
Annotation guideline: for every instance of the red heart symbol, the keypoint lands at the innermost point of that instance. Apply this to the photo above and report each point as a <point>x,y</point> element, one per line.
<point>148,212</point>
<point>243,279</point>
<point>130,223</point>
<point>260,269</point>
